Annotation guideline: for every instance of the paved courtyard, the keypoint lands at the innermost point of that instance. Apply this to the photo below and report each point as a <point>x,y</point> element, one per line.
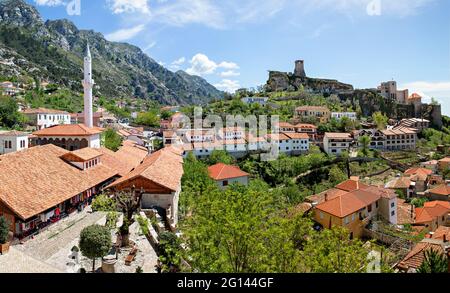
<point>50,251</point>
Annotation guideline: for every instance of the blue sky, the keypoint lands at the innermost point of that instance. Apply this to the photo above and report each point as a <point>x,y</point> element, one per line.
<point>233,43</point>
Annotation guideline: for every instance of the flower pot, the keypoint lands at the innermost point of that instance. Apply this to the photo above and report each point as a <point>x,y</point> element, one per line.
<point>4,248</point>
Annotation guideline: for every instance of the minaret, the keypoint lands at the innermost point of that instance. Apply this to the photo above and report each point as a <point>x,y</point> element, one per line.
<point>88,84</point>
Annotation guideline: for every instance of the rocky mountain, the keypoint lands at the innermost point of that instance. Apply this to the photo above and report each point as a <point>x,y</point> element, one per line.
<point>54,50</point>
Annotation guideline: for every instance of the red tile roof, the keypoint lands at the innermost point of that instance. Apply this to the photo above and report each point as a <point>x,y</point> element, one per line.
<point>351,185</point>
<point>163,167</point>
<point>297,135</point>
<point>68,130</point>
<point>349,203</point>
<point>43,111</point>
<point>416,256</point>
<point>431,211</point>
<point>414,171</point>
<point>443,189</point>
<point>441,233</point>
<point>222,172</point>
<point>37,179</point>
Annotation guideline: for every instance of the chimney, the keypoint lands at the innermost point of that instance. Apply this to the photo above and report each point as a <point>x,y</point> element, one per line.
<point>326,197</point>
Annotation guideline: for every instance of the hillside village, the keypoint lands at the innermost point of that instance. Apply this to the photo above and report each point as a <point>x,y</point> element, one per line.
<point>66,171</point>
<point>151,183</point>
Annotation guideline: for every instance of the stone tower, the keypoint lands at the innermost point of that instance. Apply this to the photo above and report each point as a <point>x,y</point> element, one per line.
<point>300,69</point>
<point>88,84</point>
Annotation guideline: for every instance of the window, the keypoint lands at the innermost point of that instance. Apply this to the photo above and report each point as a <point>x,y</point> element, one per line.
<point>353,217</point>
<point>369,208</point>
<point>346,220</point>
<point>393,213</point>
<point>10,144</point>
<point>393,205</point>
<point>321,215</point>
<point>225,183</point>
<point>377,204</point>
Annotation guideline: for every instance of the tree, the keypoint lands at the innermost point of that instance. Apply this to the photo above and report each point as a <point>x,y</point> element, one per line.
<point>95,242</point>
<point>435,262</point>
<point>165,115</point>
<point>336,175</point>
<point>218,156</point>
<point>364,142</point>
<point>227,230</point>
<point>112,140</point>
<point>332,251</point>
<point>129,203</point>
<point>148,119</point>
<point>103,203</point>
<point>380,120</point>
<point>169,251</point>
<point>9,113</point>
<point>4,230</point>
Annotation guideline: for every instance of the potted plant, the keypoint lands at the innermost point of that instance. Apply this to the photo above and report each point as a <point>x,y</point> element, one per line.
<point>4,235</point>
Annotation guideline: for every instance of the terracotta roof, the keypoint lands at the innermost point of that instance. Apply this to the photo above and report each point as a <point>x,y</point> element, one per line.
<point>431,211</point>
<point>414,171</point>
<point>443,189</point>
<point>338,135</point>
<point>285,125</point>
<point>308,126</point>
<point>330,194</point>
<point>405,212</point>
<point>163,167</point>
<point>37,179</point>
<point>132,155</point>
<point>277,137</point>
<point>222,172</point>
<point>441,232</point>
<point>416,256</point>
<point>445,160</point>
<point>85,154</point>
<point>297,135</point>
<point>43,111</point>
<point>399,183</point>
<point>432,204</point>
<point>351,185</point>
<point>13,133</point>
<point>349,203</point>
<point>414,96</point>
<point>68,130</point>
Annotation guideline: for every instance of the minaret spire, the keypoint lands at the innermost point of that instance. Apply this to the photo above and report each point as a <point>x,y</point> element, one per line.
<point>88,84</point>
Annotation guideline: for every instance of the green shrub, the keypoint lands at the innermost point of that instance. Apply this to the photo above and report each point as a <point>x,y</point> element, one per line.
<point>4,230</point>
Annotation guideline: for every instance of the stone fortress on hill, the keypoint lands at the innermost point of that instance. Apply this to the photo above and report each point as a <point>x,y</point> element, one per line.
<point>283,81</point>
<point>386,98</point>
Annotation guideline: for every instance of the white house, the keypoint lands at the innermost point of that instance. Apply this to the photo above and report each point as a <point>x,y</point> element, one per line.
<point>336,143</point>
<point>299,142</point>
<point>339,115</point>
<point>44,118</point>
<point>12,141</point>
<point>225,175</point>
<point>255,100</point>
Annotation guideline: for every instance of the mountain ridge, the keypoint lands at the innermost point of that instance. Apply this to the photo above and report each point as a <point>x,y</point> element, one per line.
<point>54,50</point>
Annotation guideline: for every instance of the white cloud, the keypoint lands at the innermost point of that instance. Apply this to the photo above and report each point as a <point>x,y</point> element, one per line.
<point>125,34</point>
<point>129,6</point>
<point>229,73</point>
<point>49,2</point>
<point>179,61</point>
<point>149,46</point>
<point>182,12</point>
<point>176,65</point>
<point>228,85</point>
<point>202,65</point>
